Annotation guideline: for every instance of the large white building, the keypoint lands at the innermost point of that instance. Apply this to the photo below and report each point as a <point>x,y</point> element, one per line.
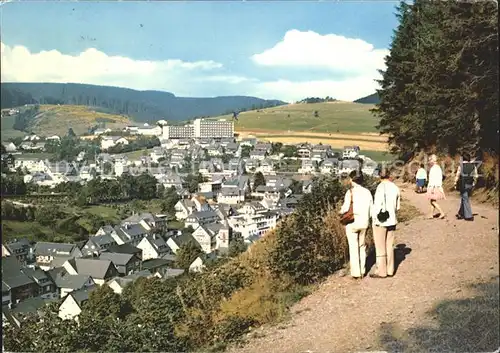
<point>177,132</point>
<point>213,128</point>
<point>201,128</point>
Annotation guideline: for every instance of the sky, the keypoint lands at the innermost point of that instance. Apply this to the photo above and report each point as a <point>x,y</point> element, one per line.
<point>270,49</point>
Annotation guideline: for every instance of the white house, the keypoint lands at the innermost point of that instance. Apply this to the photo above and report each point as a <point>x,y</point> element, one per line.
<point>304,151</point>
<point>258,155</point>
<point>153,247</point>
<point>99,270</point>
<point>266,166</point>
<point>157,153</point>
<point>212,236</point>
<point>101,131</point>
<point>53,138</point>
<point>72,305</point>
<point>31,164</point>
<point>117,284</point>
<point>67,283</point>
<point>183,208</point>
<point>330,166</point>
<point>369,166</point>
<point>350,152</point>
<point>251,165</point>
<point>231,196</point>
<point>148,130</point>
<point>253,222</point>
<point>348,165</point>
<point>110,141</point>
<point>308,166</point>
<point>9,146</point>
<point>120,167</point>
<point>198,218</point>
<point>199,264</point>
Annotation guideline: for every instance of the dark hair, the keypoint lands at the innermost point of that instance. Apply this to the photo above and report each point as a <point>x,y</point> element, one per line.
<point>344,176</point>
<point>356,176</point>
<point>385,174</point>
<point>422,165</point>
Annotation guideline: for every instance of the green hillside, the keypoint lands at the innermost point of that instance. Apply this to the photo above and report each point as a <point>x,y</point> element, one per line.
<point>332,117</point>
<point>49,120</point>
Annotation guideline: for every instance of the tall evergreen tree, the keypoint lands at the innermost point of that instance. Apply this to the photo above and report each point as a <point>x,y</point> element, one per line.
<point>440,88</point>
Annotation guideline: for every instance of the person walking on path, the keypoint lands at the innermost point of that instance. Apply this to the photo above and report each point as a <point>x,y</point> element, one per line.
<point>465,180</point>
<point>421,178</point>
<point>356,210</point>
<point>385,206</point>
<point>435,190</point>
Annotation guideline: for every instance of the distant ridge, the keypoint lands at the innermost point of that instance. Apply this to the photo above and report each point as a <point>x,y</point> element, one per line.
<point>139,105</point>
<point>371,99</point>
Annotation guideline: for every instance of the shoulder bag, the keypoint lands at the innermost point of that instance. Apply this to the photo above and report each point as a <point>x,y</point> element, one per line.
<point>383,214</point>
<point>348,217</point>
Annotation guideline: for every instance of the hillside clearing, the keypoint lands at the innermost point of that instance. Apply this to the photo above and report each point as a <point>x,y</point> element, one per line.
<point>333,117</point>
<point>55,119</point>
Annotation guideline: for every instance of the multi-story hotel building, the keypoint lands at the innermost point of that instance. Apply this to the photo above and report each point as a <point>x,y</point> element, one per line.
<point>213,128</point>
<point>201,128</point>
<point>177,131</point>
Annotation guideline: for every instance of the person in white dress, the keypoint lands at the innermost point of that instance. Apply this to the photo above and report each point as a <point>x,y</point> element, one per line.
<point>435,190</point>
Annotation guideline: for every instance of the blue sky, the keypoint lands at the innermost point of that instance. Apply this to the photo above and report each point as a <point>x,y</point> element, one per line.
<point>285,50</point>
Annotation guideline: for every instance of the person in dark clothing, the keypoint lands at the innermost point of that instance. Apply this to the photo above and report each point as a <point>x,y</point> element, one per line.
<point>465,180</point>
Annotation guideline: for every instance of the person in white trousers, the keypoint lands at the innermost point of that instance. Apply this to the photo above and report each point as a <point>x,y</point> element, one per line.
<point>362,201</point>
<point>387,201</point>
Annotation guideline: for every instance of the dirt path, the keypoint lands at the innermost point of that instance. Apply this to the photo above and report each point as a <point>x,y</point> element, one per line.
<point>439,261</point>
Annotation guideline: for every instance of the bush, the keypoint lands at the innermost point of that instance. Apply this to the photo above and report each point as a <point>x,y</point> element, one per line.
<point>306,250</point>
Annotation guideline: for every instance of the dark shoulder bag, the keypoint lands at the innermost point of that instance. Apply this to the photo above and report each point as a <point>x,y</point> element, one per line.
<point>348,217</point>
<point>383,214</point>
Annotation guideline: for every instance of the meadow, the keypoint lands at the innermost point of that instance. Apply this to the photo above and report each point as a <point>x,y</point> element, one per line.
<point>332,117</point>
<point>337,124</point>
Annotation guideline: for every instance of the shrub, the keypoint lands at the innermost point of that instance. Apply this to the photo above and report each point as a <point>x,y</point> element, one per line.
<point>304,252</point>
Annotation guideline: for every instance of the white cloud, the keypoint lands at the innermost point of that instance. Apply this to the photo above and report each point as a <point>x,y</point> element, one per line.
<point>352,59</point>
<point>330,52</point>
<point>348,90</point>
<point>95,67</point>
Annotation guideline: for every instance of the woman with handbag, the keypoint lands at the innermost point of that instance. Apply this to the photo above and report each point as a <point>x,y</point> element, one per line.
<point>356,217</point>
<point>385,205</point>
<point>435,189</point>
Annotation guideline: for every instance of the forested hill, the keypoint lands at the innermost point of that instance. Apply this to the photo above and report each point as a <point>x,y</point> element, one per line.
<point>140,105</point>
<point>371,99</point>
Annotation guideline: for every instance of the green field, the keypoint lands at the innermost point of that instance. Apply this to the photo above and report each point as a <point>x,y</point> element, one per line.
<point>7,130</point>
<point>334,117</point>
<point>137,154</point>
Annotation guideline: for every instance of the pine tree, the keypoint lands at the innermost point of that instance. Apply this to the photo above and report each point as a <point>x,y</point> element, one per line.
<point>439,91</point>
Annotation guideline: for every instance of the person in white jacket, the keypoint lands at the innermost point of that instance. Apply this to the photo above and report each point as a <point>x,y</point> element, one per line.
<point>435,189</point>
<point>384,220</point>
<point>362,201</point>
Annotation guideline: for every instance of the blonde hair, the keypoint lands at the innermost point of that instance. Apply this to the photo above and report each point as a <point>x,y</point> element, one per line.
<point>433,158</point>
